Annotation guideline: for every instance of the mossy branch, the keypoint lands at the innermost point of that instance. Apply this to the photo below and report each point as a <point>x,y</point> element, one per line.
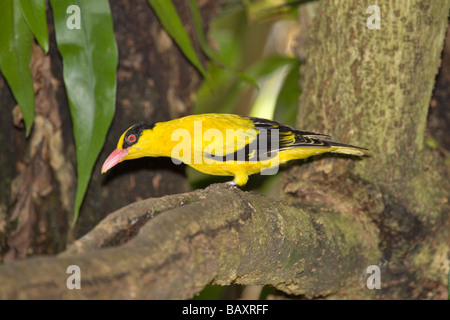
<point>171,247</point>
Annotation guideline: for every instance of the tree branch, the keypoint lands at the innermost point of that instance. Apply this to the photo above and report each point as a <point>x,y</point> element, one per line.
<point>171,247</point>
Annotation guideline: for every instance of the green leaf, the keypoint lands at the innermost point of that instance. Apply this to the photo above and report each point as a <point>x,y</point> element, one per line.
<point>269,65</point>
<point>279,92</point>
<point>197,19</point>
<point>171,22</point>
<point>287,102</point>
<point>226,88</point>
<point>90,60</point>
<point>264,105</point>
<point>211,292</point>
<point>15,54</point>
<point>34,13</point>
<point>259,10</point>
<point>221,95</point>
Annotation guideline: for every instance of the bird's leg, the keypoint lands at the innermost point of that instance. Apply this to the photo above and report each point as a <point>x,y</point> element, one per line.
<point>240,178</point>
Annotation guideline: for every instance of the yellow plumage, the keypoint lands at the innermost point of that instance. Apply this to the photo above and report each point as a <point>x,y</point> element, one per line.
<point>224,144</point>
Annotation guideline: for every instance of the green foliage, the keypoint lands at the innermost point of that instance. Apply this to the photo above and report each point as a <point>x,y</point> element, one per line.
<point>34,14</point>
<point>218,292</point>
<point>211,292</point>
<point>90,60</point>
<point>272,83</point>
<point>267,9</point>
<point>241,46</point>
<point>170,20</point>
<point>258,10</point>
<point>215,57</point>
<point>15,54</point>
<point>286,110</point>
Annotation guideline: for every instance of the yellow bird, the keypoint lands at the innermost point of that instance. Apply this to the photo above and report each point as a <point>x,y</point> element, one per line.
<point>224,144</point>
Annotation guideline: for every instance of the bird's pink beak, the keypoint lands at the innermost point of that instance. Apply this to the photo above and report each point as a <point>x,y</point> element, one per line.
<point>114,158</point>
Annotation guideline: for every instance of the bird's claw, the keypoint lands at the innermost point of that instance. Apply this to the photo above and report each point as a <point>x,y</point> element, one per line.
<point>232,183</point>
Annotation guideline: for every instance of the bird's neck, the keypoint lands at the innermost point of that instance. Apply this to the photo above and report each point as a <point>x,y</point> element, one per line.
<point>161,140</point>
<point>176,139</point>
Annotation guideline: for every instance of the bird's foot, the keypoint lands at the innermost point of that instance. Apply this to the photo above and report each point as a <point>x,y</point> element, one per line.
<point>232,183</point>
<point>229,184</point>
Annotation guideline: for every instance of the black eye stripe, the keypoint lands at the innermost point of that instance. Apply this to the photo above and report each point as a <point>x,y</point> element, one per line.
<point>135,131</point>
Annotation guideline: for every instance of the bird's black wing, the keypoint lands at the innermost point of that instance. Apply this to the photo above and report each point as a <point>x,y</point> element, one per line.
<point>284,137</point>
<point>293,138</point>
<point>272,137</point>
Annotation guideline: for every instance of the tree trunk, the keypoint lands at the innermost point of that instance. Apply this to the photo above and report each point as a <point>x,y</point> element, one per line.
<point>372,88</point>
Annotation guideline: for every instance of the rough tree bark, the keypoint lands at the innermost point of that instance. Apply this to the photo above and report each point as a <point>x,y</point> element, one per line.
<point>372,88</point>
<point>367,87</point>
<point>185,241</point>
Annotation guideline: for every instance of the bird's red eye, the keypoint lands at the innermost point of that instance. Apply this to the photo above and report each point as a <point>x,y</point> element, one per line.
<point>131,138</point>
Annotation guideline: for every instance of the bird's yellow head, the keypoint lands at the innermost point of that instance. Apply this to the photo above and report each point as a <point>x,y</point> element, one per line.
<point>132,144</point>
